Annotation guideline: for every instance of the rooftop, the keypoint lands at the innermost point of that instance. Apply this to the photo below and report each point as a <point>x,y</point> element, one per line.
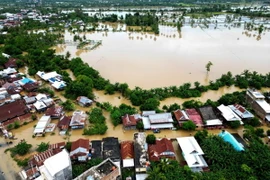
<point>194,116</point>
<point>207,113</point>
<point>80,143</point>
<point>160,118</point>
<point>55,111</point>
<point>180,115</point>
<point>241,111</point>
<point>227,137</point>
<point>228,114</point>
<point>111,148</point>
<point>140,149</point>
<point>131,120</point>
<point>13,109</point>
<point>96,149</point>
<point>162,148</point>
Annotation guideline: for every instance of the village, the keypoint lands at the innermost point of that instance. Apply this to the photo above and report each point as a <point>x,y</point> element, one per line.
<point>21,103</point>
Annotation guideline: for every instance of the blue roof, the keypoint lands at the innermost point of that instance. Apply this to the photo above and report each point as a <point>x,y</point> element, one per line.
<point>227,137</point>
<point>26,80</point>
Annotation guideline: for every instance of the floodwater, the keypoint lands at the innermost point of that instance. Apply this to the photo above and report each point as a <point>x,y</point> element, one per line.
<point>173,58</point>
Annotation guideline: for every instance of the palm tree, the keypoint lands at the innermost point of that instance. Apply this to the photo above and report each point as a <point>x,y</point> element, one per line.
<point>155,174</point>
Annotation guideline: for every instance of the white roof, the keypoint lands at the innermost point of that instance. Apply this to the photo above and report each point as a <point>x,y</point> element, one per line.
<point>45,118</point>
<point>57,163</point>
<point>58,85</point>
<point>161,118</point>
<point>146,123</point>
<point>41,96</point>
<point>228,114</point>
<point>15,96</point>
<point>213,122</point>
<point>141,176</point>
<point>256,94</point>
<point>147,113</point>
<point>42,124</point>
<point>49,75</point>
<point>39,105</point>
<point>9,70</point>
<point>264,105</point>
<point>192,152</point>
<point>161,126</point>
<point>128,162</point>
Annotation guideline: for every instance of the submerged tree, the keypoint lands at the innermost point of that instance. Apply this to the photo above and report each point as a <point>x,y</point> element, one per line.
<point>208,66</point>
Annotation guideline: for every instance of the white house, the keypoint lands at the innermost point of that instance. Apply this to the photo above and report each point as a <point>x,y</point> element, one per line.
<point>228,113</point>
<point>80,149</point>
<point>43,122</point>
<point>192,153</point>
<point>158,121</point>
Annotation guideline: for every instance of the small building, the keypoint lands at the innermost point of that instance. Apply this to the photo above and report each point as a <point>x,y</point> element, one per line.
<point>162,149</point>
<point>209,118</point>
<point>241,111</point>
<point>15,97</point>
<point>106,170</point>
<point>84,101</point>
<point>80,150</point>
<point>258,104</point>
<point>40,128</point>
<point>228,114</point>
<point>227,137</point>
<point>78,120</point>
<point>25,81</point>
<point>180,116</point>
<point>192,153</point>
<point>127,154</point>
<point>29,100</point>
<point>56,112</point>
<point>158,121</point>
<point>11,63</point>
<point>47,76</point>
<point>59,85</point>
<point>141,160</point>
<point>195,117</point>
<point>63,124</point>
<point>30,87</point>
<point>40,106</point>
<point>130,121</point>
<point>147,113</point>
<point>111,149</point>
<point>96,146</point>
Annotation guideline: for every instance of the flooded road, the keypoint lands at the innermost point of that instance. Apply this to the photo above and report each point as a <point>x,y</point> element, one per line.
<point>149,61</point>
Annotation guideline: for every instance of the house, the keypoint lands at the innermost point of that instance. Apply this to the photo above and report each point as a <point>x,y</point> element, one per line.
<point>84,101</point>
<point>194,116</point>
<point>12,110</point>
<point>192,153</point>
<point>47,76</point>
<point>106,170</point>
<point>60,145</point>
<point>57,167</point>
<point>158,121</point>
<point>241,111</point>
<point>141,160</point>
<point>25,81</point>
<point>209,117</point>
<point>258,104</point>
<point>55,112</point>
<point>40,106</point>
<point>29,100</point>
<point>96,146</point>
<point>80,150</point>
<point>162,149</point>
<point>111,149</point>
<point>127,154</point>
<point>228,114</point>
<point>63,124</point>
<point>59,85</point>
<point>78,120</point>
<point>30,87</point>
<point>130,121</point>
<point>227,137</point>
<point>180,116</point>
<point>43,122</point>
<point>147,113</point>
<point>11,63</point>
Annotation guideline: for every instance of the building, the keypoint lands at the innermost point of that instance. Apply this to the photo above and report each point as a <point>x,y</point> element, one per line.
<point>111,149</point>
<point>258,104</point>
<point>127,154</point>
<point>11,63</point>
<point>227,137</point>
<point>158,121</point>
<point>40,128</point>
<point>162,149</point>
<point>78,120</point>
<point>63,124</point>
<point>192,153</point>
<point>56,112</point>
<point>130,121</point>
<point>59,85</point>
<point>141,160</point>
<point>106,170</point>
<point>180,116</point>
<point>228,114</point>
<point>84,101</point>
<point>209,117</point>
<point>241,111</point>
<point>195,117</point>
<point>96,146</point>
<point>80,150</point>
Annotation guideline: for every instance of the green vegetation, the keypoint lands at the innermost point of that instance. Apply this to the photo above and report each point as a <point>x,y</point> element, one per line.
<point>151,139</point>
<point>68,105</point>
<point>189,125</point>
<point>21,148</point>
<point>118,112</point>
<point>42,147</point>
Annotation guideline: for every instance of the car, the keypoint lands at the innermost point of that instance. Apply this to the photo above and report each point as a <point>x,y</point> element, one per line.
<point>156,131</point>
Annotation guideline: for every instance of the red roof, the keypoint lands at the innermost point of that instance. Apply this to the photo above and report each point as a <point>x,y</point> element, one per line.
<point>240,108</point>
<point>162,149</point>
<point>54,111</point>
<point>13,109</point>
<point>83,143</point>
<point>194,116</point>
<point>30,86</point>
<point>20,118</point>
<point>38,159</point>
<point>127,150</point>
<point>64,122</point>
<point>130,120</point>
<point>57,145</point>
<point>11,63</point>
<point>179,115</point>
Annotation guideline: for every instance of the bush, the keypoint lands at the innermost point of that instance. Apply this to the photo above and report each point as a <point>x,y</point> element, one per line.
<point>42,147</point>
<point>189,125</point>
<point>10,126</point>
<point>235,124</point>
<point>16,124</point>
<point>151,139</point>
<point>255,122</point>
<point>21,148</point>
<point>33,117</point>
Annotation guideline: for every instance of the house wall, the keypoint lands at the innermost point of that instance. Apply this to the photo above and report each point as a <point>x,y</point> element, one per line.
<point>129,127</point>
<point>79,149</point>
<point>112,176</point>
<point>256,107</point>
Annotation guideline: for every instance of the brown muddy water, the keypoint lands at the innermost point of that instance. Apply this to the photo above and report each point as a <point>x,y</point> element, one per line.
<point>171,58</point>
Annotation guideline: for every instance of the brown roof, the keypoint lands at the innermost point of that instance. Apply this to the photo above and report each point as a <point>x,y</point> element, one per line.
<point>38,159</point>
<point>240,108</point>
<point>57,145</point>
<point>84,143</point>
<point>13,109</point>
<point>30,94</point>
<point>64,122</point>
<point>12,79</point>
<point>30,86</point>
<point>7,85</point>
<point>179,115</point>
<point>11,63</point>
<point>54,111</point>
<point>130,120</point>
<point>127,150</point>
<point>20,118</point>
<point>161,146</point>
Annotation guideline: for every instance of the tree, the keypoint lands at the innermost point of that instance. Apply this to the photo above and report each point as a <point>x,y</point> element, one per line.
<point>208,66</point>
<point>140,125</point>
<point>151,139</point>
<point>150,104</point>
<point>189,125</point>
<point>42,147</point>
<point>96,116</point>
<point>68,105</point>
<point>201,135</point>
<point>21,148</point>
<point>235,124</point>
